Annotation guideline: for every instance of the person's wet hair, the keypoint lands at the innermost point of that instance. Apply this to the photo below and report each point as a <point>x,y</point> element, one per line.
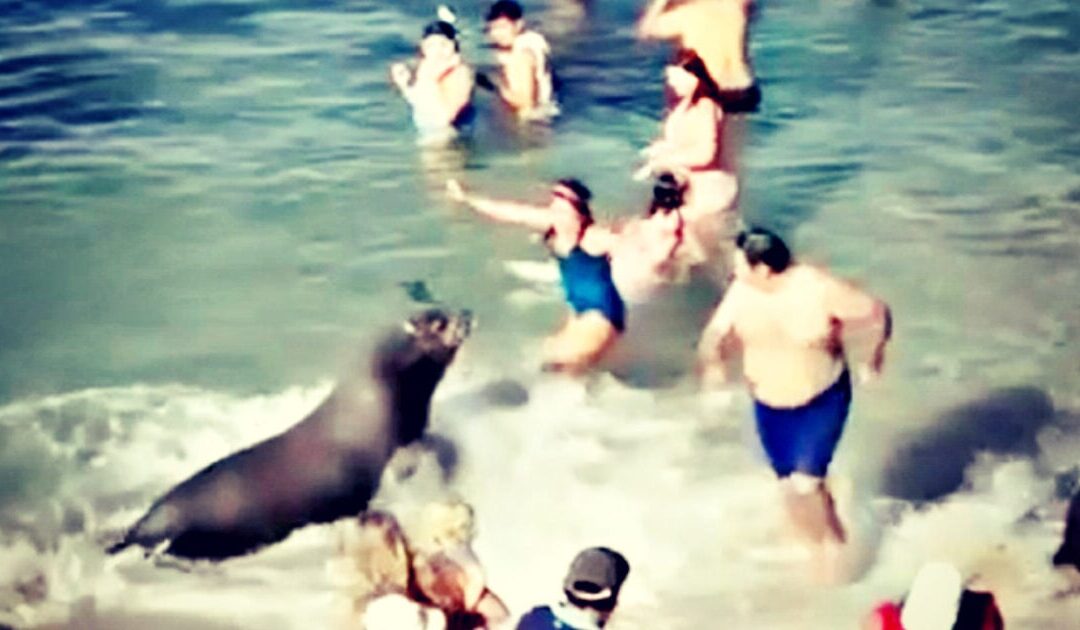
<point>689,61</point>
<point>583,195</point>
<point>762,246</point>
<point>445,29</point>
<point>505,9</point>
<point>668,194</point>
<point>380,555</point>
<point>384,522</point>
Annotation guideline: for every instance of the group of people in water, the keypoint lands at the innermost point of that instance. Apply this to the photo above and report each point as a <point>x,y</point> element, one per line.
<point>797,327</point>
<point>440,87</point>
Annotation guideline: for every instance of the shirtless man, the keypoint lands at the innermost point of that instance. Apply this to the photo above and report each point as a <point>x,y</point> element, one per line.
<point>716,31</point>
<point>523,55</point>
<point>794,323</point>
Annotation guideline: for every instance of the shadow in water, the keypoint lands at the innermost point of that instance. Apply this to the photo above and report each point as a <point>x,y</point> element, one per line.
<point>931,464</point>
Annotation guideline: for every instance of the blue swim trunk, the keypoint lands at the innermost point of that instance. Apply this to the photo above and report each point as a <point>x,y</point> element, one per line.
<point>803,439</point>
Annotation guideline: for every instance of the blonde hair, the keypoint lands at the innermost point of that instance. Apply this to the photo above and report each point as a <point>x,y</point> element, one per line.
<point>453,580</point>
<point>445,524</point>
<point>379,556</point>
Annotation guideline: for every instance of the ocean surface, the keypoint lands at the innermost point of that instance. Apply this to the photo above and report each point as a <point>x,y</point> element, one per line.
<point>206,207</point>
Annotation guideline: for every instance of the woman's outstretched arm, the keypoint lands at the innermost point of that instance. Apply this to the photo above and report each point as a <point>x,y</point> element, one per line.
<point>528,215</point>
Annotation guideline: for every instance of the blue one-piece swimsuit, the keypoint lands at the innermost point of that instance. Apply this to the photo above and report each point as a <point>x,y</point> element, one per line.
<point>589,287</point>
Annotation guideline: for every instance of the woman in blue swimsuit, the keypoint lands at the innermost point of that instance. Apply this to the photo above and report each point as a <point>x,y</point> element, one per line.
<point>598,315</point>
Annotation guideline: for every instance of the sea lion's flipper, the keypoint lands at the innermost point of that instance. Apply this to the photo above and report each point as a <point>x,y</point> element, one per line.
<point>155,527</point>
<point>418,291</point>
<point>117,547</point>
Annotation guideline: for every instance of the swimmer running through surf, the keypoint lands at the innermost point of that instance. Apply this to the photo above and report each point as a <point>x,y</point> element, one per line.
<point>581,248</point>
<point>795,366</point>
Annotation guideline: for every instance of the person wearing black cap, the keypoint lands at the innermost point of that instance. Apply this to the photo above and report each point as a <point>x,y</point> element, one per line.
<point>591,590</point>
<point>440,91</point>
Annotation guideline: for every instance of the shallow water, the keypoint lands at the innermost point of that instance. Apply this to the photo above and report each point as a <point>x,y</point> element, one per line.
<point>206,205</point>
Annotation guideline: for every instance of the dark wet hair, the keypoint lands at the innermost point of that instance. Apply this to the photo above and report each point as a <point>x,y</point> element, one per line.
<point>762,246</point>
<point>668,194</point>
<point>583,194</point>
<point>688,60</point>
<point>440,27</point>
<point>505,9</point>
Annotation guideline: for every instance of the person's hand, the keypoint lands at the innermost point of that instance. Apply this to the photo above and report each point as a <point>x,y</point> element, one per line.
<point>446,14</point>
<point>711,375</point>
<point>867,373</point>
<point>871,370</point>
<point>400,75</point>
<point>455,191</point>
<point>643,173</point>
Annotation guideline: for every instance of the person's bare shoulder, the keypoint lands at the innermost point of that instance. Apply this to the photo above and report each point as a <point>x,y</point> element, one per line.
<point>817,275</point>
<point>524,55</point>
<point>598,239</point>
<point>734,295</point>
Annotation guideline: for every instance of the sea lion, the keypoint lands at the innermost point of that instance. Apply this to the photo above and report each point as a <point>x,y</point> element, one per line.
<point>323,468</point>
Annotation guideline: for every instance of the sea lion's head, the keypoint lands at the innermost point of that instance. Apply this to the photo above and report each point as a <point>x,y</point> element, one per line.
<point>438,333</point>
<point>412,361</point>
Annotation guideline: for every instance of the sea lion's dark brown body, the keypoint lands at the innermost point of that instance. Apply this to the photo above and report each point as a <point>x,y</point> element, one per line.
<point>326,467</point>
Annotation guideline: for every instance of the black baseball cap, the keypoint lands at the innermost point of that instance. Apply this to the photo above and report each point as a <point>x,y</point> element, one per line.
<point>595,577</point>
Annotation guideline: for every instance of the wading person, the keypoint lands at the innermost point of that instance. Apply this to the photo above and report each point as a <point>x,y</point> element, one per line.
<point>440,90</point>
<point>582,249</point>
<point>525,81</point>
<point>794,323</point>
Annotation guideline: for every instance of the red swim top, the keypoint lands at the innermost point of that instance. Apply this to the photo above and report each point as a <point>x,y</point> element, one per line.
<point>978,611</point>
<point>887,616</point>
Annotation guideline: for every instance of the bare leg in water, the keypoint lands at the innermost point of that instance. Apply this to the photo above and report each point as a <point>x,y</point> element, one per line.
<point>812,509</point>
<point>580,343</point>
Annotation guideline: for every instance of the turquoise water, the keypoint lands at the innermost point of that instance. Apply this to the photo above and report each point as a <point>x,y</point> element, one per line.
<point>204,206</point>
